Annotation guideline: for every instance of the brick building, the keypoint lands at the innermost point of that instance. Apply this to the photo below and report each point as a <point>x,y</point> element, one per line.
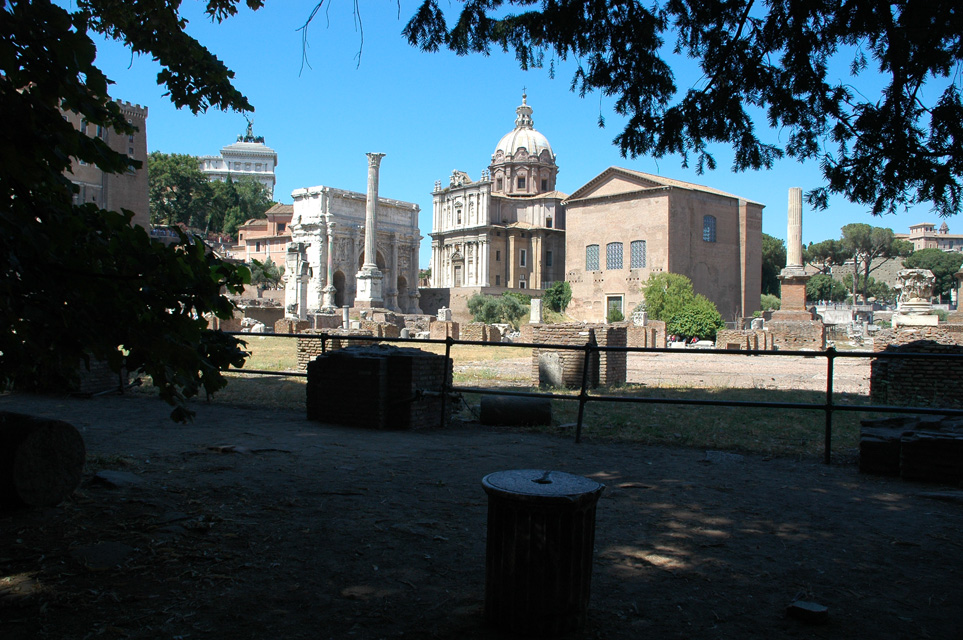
<point>624,225</point>
<point>115,191</point>
<point>263,238</point>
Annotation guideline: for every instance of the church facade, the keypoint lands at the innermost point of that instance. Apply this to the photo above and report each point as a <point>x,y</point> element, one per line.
<point>507,229</point>
<point>326,251</point>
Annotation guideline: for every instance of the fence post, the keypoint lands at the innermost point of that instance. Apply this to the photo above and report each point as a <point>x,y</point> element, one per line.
<point>324,342</point>
<point>827,453</point>
<point>583,394</point>
<point>445,385</point>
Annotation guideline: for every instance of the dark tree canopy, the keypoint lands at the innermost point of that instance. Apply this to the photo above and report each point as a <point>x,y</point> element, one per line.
<point>943,264</point>
<point>78,283</point>
<point>796,61</point>
<point>773,262</point>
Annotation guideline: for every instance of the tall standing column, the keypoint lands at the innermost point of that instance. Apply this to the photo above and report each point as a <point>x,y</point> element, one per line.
<point>329,290</point>
<point>794,231</point>
<point>370,279</point>
<point>793,278</point>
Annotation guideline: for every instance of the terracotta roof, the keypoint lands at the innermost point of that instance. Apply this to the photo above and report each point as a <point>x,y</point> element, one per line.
<point>661,181</point>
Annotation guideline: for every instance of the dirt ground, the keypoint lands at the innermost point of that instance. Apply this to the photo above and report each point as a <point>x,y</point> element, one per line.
<point>255,523</point>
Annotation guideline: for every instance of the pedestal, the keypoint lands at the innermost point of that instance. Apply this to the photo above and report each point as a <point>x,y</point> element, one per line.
<point>370,283</point>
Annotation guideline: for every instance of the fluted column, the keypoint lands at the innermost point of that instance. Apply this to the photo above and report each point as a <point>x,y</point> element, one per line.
<point>794,232</point>
<point>370,279</point>
<point>329,291</point>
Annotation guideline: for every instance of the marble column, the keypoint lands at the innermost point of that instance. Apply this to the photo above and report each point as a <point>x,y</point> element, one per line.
<point>793,278</point>
<point>794,232</point>
<point>329,291</point>
<point>370,279</point>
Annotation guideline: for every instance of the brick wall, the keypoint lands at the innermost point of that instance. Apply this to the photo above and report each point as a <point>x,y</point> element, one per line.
<point>744,340</point>
<point>291,325</point>
<point>441,330</point>
<point>566,362</point>
<point>100,378</point>
<point>381,329</point>
<point>792,295</point>
<point>794,336</point>
<point>917,381</point>
<point>651,336</point>
<point>309,344</point>
<point>612,364</point>
<point>379,387</point>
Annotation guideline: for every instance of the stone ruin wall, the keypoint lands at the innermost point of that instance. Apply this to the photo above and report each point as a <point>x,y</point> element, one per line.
<point>309,343</point>
<point>441,330</point>
<point>613,365</point>
<point>797,336</point>
<point>918,382</point>
<point>570,361</point>
<point>745,340</point>
<point>650,336</point>
<point>386,388</point>
<point>480,332</point>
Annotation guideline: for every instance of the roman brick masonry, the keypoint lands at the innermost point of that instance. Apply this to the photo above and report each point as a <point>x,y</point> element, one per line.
<point>378,387</point>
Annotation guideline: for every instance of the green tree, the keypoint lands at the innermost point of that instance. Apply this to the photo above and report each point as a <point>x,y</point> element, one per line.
<point>826,254</point>
<point>773,262</point>
<point>496,309</point>
<point>769,302</point>
<point>558,296</point>
<point>266,274</point>
<point>181,193</point>
<point>666,294</point>
<point>870,247</point>
<point>699,318</point>
<point>823,286</point>
<point>774,63</point>
<point>874,289</point>
<point>944,266</point>
<point>178,191</point>
<point>79,283</point>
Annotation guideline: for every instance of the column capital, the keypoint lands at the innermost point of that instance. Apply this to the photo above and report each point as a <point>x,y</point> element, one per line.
<point>374,159</point>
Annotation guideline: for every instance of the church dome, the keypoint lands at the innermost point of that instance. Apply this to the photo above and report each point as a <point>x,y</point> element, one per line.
<point>524,136</point>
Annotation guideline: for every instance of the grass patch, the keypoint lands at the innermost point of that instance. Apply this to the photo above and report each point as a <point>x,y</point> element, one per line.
<point>795,433</point>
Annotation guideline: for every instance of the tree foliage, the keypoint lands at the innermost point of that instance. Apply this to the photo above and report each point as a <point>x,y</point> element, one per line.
<point>266,274</point>
<point>869,247</point>
<point>773,262</point>
<point>558,296</point>
<point>669,297</point>
<point>776,61</point>
<point>496,309</point>
<point>181,194</point>
<point>823,286</point>
<point>872,289</point>
<point>769,302</point>
<point>79,283</point>
<point>944,266</point>
<point>666,294</point>
<point>826,254</point>
<point>699,318</point>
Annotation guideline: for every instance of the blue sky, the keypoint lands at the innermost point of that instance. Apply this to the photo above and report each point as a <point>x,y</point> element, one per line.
<point>430,113</point>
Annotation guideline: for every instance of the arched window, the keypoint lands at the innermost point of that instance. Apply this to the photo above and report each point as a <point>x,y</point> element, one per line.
<point>637,254</point>
<point>613,255</point>
<point>592,257</point>
<point>709,228</point>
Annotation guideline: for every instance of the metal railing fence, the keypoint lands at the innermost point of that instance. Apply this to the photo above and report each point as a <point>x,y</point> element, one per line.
<point>828,407</point>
